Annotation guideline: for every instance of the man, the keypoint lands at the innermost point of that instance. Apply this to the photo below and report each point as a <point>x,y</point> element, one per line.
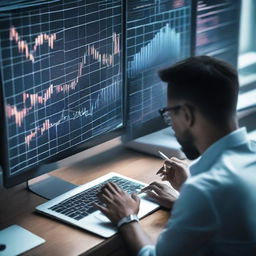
<point>215,213</point>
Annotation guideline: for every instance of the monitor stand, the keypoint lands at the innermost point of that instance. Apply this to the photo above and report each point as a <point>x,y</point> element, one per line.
<point>49,186</point>
<point>163,140</point>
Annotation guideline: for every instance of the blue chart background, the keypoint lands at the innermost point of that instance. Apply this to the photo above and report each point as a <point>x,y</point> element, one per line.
<point>70,91</point>
<point>158,35</point>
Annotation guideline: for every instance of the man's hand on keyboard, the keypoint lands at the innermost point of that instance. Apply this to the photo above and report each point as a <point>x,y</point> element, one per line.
<point>161,193</point>
<point>118,203</point>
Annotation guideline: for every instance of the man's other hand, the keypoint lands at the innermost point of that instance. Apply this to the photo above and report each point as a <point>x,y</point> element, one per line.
<point>118,203</point>
<point>175,171</point>
<point>162,194</point>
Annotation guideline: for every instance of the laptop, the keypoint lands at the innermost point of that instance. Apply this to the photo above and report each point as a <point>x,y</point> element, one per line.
<point>76,206</point>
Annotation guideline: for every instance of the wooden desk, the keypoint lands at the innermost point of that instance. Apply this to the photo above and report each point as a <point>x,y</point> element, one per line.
<point>18,206</point>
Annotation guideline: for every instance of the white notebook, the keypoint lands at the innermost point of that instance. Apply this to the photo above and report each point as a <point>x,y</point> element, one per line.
<point>17,240</point>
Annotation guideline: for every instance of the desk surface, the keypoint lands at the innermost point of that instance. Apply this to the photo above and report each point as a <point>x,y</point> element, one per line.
<point>18,205</point>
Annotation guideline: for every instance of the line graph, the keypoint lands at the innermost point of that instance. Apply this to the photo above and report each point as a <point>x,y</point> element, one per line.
<point>61,77</point>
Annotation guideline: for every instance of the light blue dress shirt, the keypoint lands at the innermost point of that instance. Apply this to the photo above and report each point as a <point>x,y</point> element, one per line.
<point>216,211</point>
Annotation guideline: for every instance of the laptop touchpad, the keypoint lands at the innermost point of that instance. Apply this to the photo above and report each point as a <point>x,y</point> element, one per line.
<point>100,216</point>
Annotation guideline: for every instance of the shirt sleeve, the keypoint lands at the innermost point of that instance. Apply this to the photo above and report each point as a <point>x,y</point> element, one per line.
<point>148,250</point>
<point>194,221</point>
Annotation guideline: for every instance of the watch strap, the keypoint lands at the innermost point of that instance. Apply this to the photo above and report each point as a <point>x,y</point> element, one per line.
<point>127,219</point>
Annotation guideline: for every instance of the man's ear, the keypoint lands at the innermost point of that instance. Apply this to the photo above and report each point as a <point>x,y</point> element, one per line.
<point>189,114</point>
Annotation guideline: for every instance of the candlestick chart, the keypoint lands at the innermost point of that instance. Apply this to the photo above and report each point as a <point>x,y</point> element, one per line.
<point>61,76</point>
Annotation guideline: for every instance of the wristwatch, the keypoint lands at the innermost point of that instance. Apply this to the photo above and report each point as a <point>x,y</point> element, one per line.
<point>127,219</point>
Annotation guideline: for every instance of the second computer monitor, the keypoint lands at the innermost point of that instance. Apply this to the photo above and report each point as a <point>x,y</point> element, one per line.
<point>217,29</point>
<point>158,35</point>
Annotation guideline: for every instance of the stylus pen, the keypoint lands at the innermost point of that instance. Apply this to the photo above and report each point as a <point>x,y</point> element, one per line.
<point>163,156</point>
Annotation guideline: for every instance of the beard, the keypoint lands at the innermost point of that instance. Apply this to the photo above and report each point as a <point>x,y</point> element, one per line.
<point>187,146</point>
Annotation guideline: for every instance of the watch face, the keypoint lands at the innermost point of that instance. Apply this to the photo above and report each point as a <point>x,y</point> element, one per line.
<point>132,217</point>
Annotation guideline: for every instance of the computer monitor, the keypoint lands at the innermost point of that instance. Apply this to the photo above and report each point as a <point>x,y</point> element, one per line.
<point>61,81</point>
<point>218,29</point>
<point>158,34</point>
<point>217,32</point>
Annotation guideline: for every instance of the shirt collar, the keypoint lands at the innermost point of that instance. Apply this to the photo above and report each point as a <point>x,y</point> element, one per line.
<point>211,154</point>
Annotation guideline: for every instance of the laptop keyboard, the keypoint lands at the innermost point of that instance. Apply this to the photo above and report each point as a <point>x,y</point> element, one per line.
<point>81,204</point>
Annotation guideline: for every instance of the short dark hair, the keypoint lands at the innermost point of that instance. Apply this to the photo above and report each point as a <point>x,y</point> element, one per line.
<point>209,83</point>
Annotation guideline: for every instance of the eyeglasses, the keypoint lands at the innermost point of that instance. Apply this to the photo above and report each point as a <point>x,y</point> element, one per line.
<point>165,114</point>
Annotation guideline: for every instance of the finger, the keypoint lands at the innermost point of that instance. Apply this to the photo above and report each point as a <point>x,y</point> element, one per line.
<point>165,178</point>
<point>156,189</point>
<point>101,208</point>
<point>99,194</point>
<point>177,162</point>
<point>181,163</point>
<point>160,170</point>
<point>169,175</point>
<point>179,166</point>
<point>111,188</point>
<point>106,191</point>
<point>152,187</point>
<point>106,199</point>
<point>117,188</point>
<point>157,184</point>
<point>163,175</point>
<point>175,159</point>
<point>135,197</point>
<point>153,195</point>
<point>145,189</point>
<point>168,164</point>
<point>172,165</point>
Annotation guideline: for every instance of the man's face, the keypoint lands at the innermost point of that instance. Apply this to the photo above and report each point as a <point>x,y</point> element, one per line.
<point>183,132</point>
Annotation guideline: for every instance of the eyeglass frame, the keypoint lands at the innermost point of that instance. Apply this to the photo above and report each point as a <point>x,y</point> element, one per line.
<point>164,113</point>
